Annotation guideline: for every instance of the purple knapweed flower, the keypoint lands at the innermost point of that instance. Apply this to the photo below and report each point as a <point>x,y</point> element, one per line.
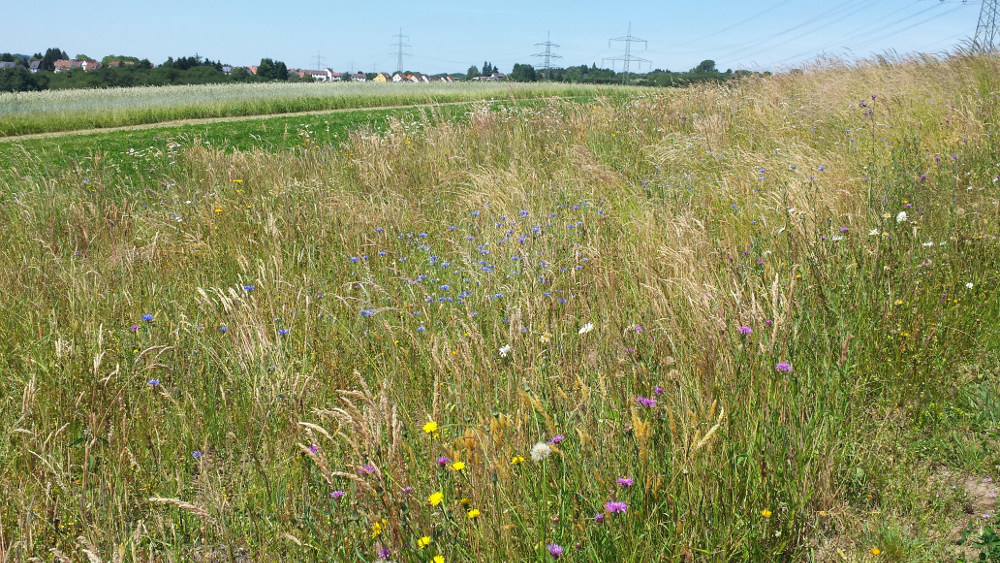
<point>646,402</point>
<point>314,448</point>
<point>134,328</point>
<point>599,518</point>
<point>556,439</point>
<point>384,553</point>
<point>366,469</point>
<point>443,460</point>
<point>337,494</point>
<point>555,550</point>
<point>657,390</point>
<point>783,366</point>
<point>614,506</point>
<point>746,330</point>
<point>625,481</point>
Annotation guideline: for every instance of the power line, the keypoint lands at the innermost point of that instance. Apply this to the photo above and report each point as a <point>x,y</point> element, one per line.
<point>986,29</point>
<point>400,46</point>
<point>627,57</point>
<point>319,60</point>
<point>548,55</point>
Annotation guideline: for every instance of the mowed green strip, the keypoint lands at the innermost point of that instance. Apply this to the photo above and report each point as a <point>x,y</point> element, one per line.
<point>273,133</point>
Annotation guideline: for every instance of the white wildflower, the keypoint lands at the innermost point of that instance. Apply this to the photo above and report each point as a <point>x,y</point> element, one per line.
<point>969,285</point>
<point>545,338</point>
<point>504,350</point>
<point>586,328</point>
<point>901,217</point>
<point>540,451</point>
<point>836,239</point>
<point>928,244</point>
<point>873,233</point>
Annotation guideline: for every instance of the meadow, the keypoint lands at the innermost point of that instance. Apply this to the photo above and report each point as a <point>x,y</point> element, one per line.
<point>751,322</point>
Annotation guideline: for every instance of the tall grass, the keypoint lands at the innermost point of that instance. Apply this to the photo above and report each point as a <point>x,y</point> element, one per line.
<point>64,110</point>
<point>752,322</point>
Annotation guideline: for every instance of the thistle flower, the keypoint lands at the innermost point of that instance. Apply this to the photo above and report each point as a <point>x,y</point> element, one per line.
<point>614,506</point>
<point>540,451</point>
<point>646,402</point>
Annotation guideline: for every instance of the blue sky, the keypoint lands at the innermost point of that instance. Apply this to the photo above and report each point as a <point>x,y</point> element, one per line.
<point>448,35</point>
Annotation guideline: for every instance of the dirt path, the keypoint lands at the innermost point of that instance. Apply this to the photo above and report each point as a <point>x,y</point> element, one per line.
<point>207,120</point>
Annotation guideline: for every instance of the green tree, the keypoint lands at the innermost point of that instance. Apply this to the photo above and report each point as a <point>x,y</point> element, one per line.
<point>471,73</point>
<point>50,57</point>
<point>82,57</point>
<point>523,73</point>
<point>706,65</point>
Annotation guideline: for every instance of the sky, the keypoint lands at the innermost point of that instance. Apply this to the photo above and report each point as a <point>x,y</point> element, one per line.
<point>451,35</point>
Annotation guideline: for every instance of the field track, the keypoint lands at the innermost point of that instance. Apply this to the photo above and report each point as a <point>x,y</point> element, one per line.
<point>207,120</point>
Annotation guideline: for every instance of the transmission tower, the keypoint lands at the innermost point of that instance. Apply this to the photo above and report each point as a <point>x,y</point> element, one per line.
<point>319,61</point>
<point>548,55</point>
<point>627,57</point>
<point>986,29</point>
<point>400,46</point>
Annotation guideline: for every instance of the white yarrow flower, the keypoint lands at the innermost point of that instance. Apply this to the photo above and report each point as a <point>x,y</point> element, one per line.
<point>540,451</point>
<point>901,217</point>
<point>504,350</point>
<point>586,328</point>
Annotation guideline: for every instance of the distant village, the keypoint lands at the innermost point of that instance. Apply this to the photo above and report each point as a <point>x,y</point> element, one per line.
<point>322,75</point>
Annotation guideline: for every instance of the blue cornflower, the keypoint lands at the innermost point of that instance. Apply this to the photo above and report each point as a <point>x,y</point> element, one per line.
<point>283,331</point>
<point>196,454</point>
<point>223,329</point>
<point>153,382</point>
<point>147,317</point>
<point>248,288</point>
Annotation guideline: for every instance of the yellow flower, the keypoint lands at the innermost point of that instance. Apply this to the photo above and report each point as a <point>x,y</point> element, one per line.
<point>218,210</point>
<point>765,513</point>
<point>424,542</point>
<point>377,528</point>
<point>473,514</point>
<point>465,502</point>
<point>458,466</point>
<point>899,302</point>
<point>876,551</point>
<point>517,460</point>
<point>237,181</point>
<point>438,559</point>
<point>431,427</point>
<point>435,499</point>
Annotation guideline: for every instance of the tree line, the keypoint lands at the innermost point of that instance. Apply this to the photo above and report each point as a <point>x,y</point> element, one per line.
<point>130,71</point>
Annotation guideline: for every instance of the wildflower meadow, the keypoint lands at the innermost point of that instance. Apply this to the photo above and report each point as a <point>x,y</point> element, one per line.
<point>756,321</point>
